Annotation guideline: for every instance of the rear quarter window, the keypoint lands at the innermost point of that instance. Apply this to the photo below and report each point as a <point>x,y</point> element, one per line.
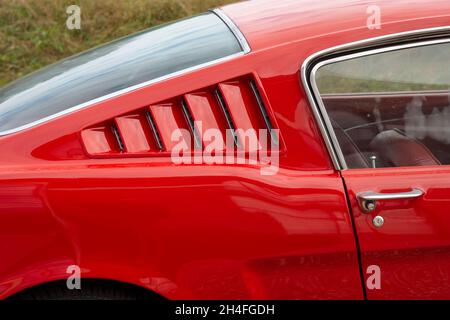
<point>124,63</point>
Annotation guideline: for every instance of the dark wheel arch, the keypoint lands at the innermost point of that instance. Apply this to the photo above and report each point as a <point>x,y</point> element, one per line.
<point>91,289</point>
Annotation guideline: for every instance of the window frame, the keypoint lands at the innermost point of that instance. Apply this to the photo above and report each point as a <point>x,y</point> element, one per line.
<point>240,38</point>
<point>366,47</point>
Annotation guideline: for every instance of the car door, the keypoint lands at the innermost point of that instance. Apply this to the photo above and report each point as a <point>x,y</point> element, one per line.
<point>388,114</point>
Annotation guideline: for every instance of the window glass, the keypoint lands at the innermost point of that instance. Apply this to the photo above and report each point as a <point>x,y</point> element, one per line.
<point>390,109</point>
<point>118,65</point>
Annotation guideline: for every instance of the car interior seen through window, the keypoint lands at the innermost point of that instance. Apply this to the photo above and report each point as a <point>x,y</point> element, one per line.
<point>390,108</point>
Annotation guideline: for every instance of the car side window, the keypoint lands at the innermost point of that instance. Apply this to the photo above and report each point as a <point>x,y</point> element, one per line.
<point>130,61</point>
<point>391,107</point>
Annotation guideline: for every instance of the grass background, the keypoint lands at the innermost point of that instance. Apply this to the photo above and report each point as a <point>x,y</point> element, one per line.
<point>33,33</point>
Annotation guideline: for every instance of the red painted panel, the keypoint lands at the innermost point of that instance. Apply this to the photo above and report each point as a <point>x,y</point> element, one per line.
<point>168,119</point>
<point>244,110</point>
<point>412,248</point>
<point>186,232</point>
<point>135,132</point>
<point>99,140</point>
<point>206,110</point>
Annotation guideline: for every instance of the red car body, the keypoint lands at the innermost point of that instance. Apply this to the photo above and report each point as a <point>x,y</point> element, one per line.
<point>226,231</point>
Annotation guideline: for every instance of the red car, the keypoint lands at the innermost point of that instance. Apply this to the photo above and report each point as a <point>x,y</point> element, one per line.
<point>113,161</point>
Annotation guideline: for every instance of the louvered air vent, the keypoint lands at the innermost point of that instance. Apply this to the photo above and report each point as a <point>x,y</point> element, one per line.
<point>235,104</point>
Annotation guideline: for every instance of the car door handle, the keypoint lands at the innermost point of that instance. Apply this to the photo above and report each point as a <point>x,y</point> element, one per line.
<point>367,200</point>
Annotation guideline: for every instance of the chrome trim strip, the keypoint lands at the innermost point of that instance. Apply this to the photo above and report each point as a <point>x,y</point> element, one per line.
<point>386,94</point>
<point>242,41</point>
<point>118,93</point>
<point>310,86</point>
<point>234,29</point>
<point>376,51</point>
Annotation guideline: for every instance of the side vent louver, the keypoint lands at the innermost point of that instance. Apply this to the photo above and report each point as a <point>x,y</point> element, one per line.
<point>226,114</point>
<point>263,109</point>
<point>190,120</point>
<point>118,138</point>
<point>232,107</point>
<point>155,132</point>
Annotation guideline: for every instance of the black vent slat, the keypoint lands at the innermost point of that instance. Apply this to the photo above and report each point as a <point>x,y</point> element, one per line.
<point>227,115</point>
<point>118,138</point>
<point>264,113</point>
<point>154,129</point>
<point>190,121</point>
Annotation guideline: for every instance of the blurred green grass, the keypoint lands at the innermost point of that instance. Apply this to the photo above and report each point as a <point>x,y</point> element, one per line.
<point>33,33</point>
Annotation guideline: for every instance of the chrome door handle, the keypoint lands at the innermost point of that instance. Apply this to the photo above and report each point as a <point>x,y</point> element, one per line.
<point>367,200</point>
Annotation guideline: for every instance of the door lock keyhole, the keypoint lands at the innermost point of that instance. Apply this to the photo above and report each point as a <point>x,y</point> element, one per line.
<point>369,205</point>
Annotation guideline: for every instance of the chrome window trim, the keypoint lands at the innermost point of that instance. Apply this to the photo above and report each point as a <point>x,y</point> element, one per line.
<point>241,40</point>
<point>324,57</point>
<point>234,29</point>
